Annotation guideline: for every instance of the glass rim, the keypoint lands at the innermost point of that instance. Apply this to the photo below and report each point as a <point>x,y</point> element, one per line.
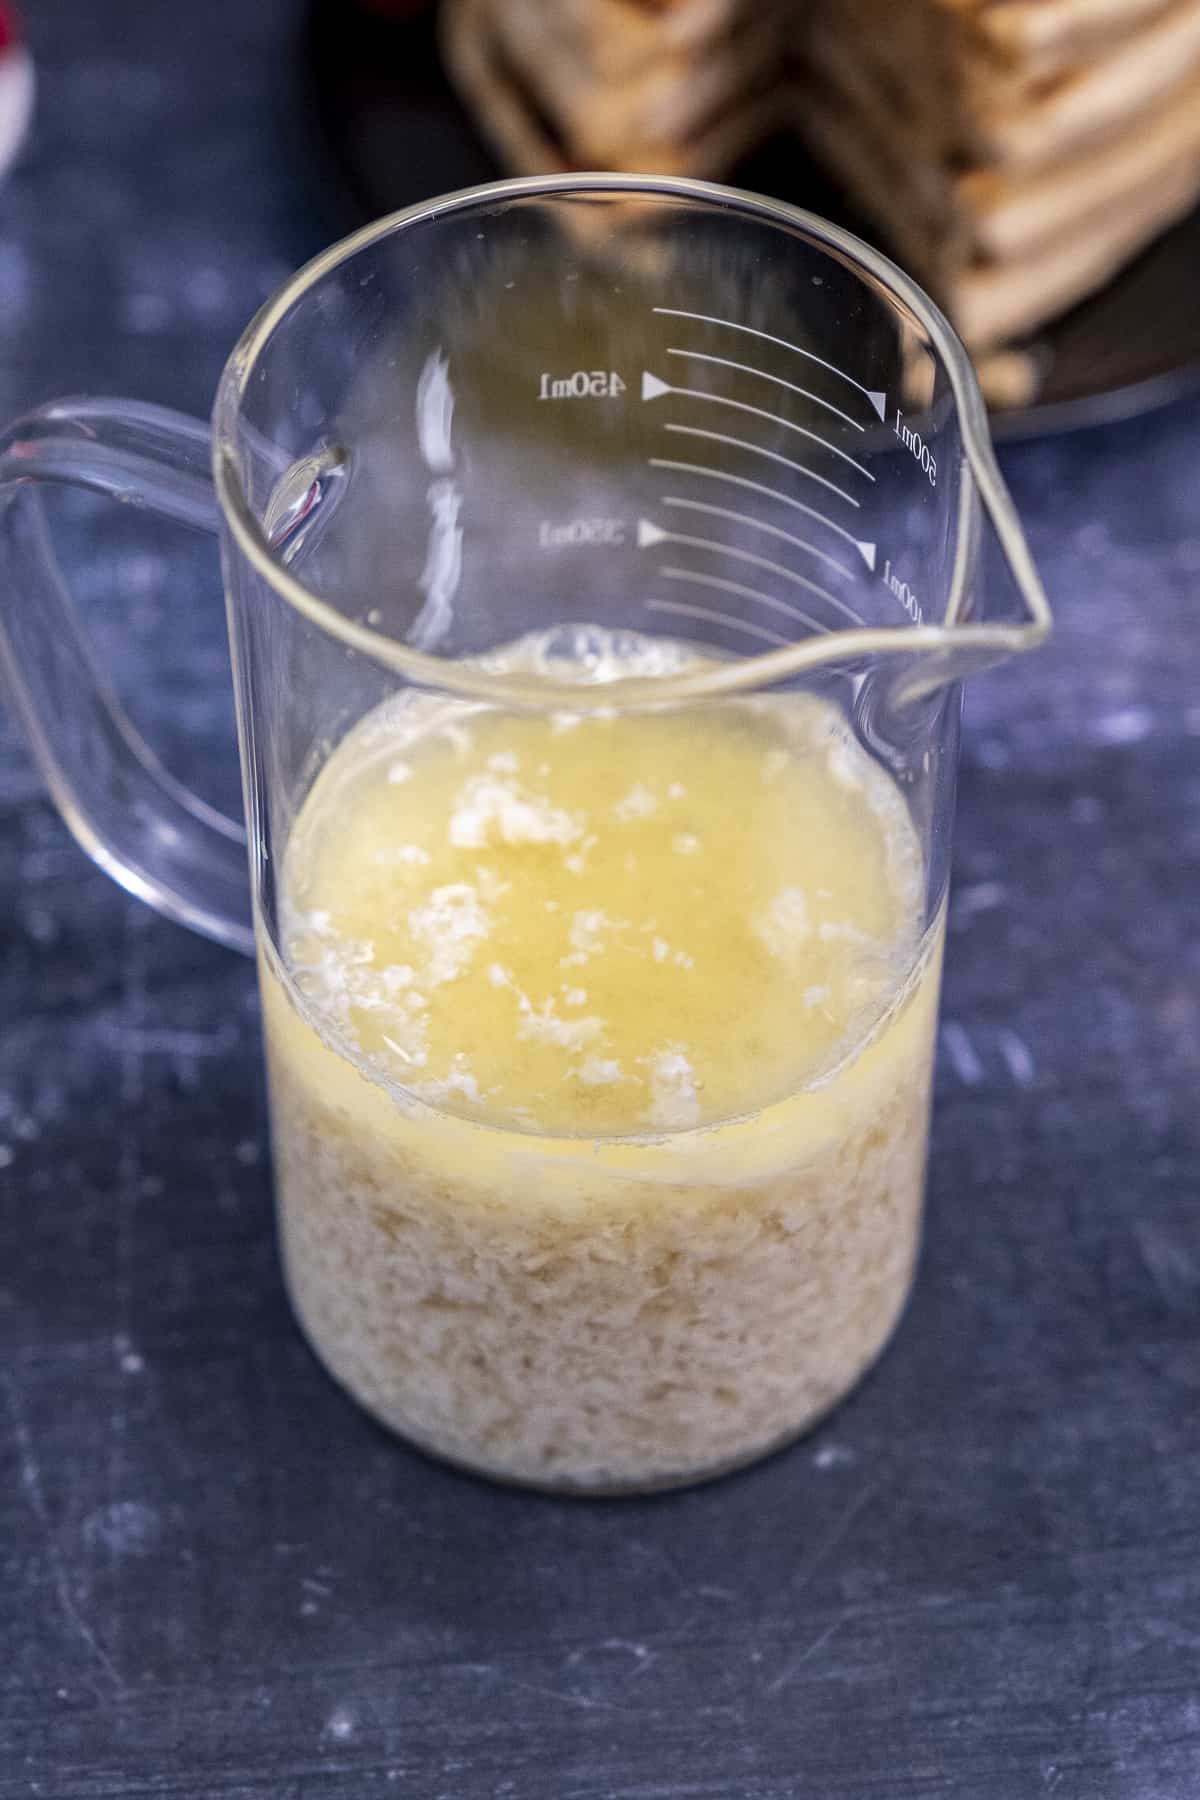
<point>471,677</point>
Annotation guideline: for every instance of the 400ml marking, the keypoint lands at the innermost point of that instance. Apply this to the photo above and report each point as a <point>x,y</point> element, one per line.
<point>903,593</point>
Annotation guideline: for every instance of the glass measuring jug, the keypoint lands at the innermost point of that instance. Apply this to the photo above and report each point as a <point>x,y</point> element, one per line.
<point>603,555</point>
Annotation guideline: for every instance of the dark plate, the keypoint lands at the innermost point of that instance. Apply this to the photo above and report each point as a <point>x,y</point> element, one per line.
<point>389,130</point>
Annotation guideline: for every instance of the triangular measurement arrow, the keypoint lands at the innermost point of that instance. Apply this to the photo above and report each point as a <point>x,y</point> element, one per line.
<point>648,534</point>
<point>878,401</point>
<point>867,552</point>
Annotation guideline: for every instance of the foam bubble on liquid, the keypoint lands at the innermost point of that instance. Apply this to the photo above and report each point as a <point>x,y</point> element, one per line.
<point>459,1082</point>
<point>451,925</point>
<point>674,1095</point>
<point>842,931</point>
<point>588,934</point>
<point>490,886</point>
<point>543,1025</point>
<point>784,925</point>
<point>488,806</point>
<point>600,1071</point>
<point>409,856</point>
<point>593,655</point>
<point>638,803</point>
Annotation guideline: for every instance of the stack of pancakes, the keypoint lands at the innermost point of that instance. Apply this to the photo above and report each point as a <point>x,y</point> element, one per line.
<point>1014,153</point>
<point>665,87</point>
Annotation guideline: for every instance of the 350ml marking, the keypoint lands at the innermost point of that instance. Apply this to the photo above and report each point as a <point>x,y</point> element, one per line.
<point>582,384</point>
<point>589,533</point>
<point>919,451</point>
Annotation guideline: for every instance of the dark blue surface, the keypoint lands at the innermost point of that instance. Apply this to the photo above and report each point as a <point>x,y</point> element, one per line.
<point>980,1579</point>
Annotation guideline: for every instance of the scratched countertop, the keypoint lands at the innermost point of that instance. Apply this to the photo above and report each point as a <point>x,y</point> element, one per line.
<point>979,1579</point>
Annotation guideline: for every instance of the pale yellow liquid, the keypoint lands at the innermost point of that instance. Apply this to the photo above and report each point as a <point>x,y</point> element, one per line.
<point>600,1092</point>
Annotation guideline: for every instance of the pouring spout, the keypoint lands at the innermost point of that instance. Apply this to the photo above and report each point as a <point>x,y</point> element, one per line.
<point>997,606</point>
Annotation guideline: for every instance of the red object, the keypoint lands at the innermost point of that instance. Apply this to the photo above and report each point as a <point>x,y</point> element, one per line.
<point>11,30</point>
<point>16,83</point>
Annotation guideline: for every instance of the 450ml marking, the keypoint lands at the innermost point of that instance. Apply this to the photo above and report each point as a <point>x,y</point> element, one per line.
<point>581,384</point>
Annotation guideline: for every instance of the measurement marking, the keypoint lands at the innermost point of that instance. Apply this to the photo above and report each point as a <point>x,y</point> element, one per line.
<point>720,437</point>
<point>652,387</point>
<point>684,609</point>
<point>865,550</point>
<point>649,533</point>
<point>736,587</point>
<point>878,400</point>
<point>763,375</point>
<point>787,537</point>
<point>580,384</point>
<point>577,533</point>
<point>920,452</point>
<point>902,593</point>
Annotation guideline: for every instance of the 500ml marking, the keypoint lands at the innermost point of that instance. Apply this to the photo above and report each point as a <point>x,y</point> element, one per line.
<point>575,532</point>
<point>919,451</point>
<point>903,593</point>
<point>584,384</point>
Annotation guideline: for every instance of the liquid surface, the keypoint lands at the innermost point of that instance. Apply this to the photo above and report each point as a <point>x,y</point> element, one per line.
<point>597,926</point>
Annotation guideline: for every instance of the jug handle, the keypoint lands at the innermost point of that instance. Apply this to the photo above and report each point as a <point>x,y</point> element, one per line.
<point>143,827</point>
